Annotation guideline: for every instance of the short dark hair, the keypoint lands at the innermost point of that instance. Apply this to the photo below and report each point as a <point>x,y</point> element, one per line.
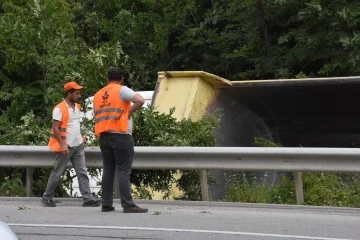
<point>115,73</point>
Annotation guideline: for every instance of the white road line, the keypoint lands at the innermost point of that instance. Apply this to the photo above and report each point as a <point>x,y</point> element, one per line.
<point>175,230</point>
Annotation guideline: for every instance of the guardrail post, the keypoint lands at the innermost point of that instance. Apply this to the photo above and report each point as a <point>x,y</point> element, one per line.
<point>204,186</point>
<point>299,188</point>
<point>116,187</point>
<point>29,181</point>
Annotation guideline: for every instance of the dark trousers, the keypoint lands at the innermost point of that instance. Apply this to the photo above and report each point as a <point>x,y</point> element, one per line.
<point>117,151</point>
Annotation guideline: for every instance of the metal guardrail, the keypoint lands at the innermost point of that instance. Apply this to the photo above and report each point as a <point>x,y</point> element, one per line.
<point>204,158</point>
<point>209,158</point>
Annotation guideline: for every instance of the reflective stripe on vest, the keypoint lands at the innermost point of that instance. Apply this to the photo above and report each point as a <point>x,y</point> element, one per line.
<point>108,117</point>
<point>97,120</point>
<point>118,110</point>
<point>110,112</point>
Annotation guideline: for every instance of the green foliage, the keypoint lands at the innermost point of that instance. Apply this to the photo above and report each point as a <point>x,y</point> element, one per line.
<point>45,42</point>
<point>12,186</point>
<point>156,213</point>
<point>263,142</point>
<point>152,128</point>
<point>24,207</point>
<point>331,189</point>
<point>30,132</point>
<point>141,192</point>
<point>189,184</point>
<point>320,189</point>
<point>283,192</point>
<point>39,46</point>
<point>273,39</point>
<point>240,189</point>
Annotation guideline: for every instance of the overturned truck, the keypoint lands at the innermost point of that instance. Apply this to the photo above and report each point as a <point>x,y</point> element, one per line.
<point>311,112</point>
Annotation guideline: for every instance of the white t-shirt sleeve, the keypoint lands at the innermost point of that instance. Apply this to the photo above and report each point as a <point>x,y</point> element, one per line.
<point>127,94</point>
<point>56,114</point>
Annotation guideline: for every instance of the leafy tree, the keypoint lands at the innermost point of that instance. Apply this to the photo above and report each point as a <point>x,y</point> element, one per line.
<point>260,39</point>
<point>39,47</point>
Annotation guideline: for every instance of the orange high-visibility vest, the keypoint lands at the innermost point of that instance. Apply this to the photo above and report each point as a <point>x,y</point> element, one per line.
<point>111,113</point>
<point>53,142</point>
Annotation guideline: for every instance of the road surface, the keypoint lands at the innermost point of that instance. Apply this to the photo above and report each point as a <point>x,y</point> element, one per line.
<point>177,220</point>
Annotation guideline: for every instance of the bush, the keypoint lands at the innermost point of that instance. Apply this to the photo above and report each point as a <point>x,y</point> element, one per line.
<point>283,192</point>
<point>152,128</point>
<point>12,186</point>
<point>320,189</point>
<point>240,189</point>
<point>331,189</point>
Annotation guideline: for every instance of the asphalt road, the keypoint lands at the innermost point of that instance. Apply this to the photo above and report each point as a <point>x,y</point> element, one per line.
<point>177,220</point>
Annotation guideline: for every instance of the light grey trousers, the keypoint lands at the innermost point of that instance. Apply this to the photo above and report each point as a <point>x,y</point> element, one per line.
<point>77,157</point>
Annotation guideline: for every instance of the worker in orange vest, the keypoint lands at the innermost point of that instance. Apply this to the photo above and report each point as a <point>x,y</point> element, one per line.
<point>68,144</point>
<point>113,125</point>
